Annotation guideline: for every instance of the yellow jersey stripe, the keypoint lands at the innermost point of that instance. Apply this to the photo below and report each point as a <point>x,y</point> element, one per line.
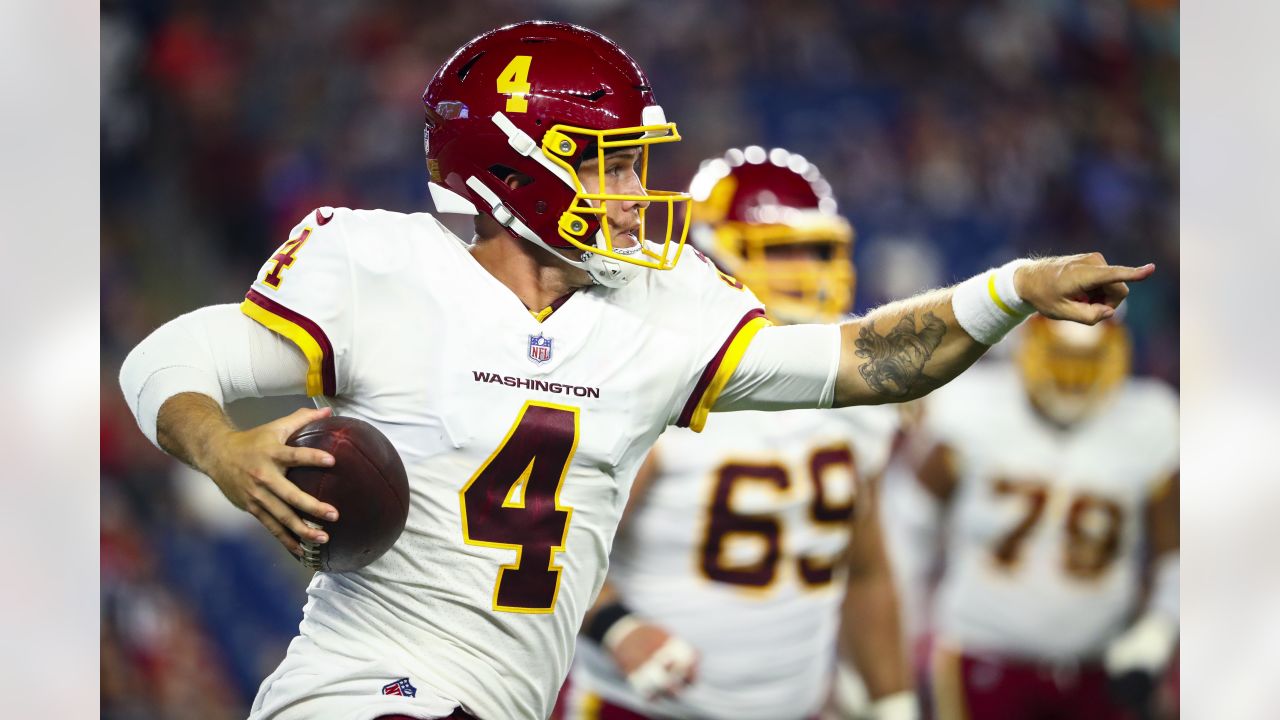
<point>300,337</point>
<point>732,356</point>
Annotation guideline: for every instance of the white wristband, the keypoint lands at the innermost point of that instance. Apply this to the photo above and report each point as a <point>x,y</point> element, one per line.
<point>987,306</point>
<point>619,630</point>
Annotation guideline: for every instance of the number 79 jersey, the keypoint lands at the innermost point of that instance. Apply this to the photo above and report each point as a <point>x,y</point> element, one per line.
<point>521,433</point>
<point>1046,524</point>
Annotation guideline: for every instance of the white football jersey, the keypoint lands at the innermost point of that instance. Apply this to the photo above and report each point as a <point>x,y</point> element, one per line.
<point>521,433</point>
<point>734,547</point>
<point>1046,525</point>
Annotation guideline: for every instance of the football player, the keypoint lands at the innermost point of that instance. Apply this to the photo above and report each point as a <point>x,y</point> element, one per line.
<point>1060,479</point>
<point>740,546</point>
<point>522,377</point>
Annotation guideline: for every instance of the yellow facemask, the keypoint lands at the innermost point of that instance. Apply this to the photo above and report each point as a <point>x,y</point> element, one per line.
<point>1069,369</point>
<point>812,283</point>
<point>558,143</point>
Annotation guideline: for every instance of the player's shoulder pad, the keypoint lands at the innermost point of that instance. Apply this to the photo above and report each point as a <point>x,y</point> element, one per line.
<point>696,275</point>
<point>380,241</point>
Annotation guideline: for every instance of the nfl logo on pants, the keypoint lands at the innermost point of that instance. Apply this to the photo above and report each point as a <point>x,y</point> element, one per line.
<point>539,348</point>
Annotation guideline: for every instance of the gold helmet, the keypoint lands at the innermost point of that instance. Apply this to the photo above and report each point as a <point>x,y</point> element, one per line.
<point>1069,369</point>
<point>769,218</point>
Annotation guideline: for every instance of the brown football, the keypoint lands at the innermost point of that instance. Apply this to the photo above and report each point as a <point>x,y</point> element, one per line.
<point>367,484</point>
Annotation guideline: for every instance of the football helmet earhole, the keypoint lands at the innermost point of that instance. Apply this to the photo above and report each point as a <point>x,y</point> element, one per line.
<point>508,175</point>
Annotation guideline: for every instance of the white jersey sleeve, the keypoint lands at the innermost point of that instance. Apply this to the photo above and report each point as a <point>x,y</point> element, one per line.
<point>305,292</point>
<point>724,318</point>
<point>785,368</point>
<point>214,351</point>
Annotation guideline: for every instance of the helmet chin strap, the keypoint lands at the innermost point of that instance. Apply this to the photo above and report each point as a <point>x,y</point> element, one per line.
<point>607,271</point>
<point>603,271</point>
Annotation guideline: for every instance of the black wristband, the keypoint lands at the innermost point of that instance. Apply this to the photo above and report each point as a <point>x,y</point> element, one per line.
<point>605,618</point>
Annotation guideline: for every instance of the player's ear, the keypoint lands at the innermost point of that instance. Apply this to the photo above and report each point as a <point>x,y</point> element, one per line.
<point>512,178</point>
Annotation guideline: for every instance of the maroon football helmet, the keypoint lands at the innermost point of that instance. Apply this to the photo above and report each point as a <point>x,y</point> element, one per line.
<point>534,98</point>
<point>770,219</point>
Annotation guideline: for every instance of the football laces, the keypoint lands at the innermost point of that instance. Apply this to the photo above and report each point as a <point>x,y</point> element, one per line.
<point>311,551</point>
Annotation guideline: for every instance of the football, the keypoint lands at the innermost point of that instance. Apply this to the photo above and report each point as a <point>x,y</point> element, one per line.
<point>367,484</point>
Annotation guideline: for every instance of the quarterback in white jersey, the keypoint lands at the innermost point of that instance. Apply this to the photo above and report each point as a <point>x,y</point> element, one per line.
<point>521,377</point>
<point>1060,480</point>
<point>522,408</point>
<point>737,541</point>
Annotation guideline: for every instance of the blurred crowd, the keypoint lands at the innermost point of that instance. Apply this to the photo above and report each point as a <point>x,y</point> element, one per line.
<point>957,134</point>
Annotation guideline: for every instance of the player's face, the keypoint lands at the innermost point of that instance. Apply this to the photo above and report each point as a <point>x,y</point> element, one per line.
<point>800,279</point>
<point>621,177</point>
<point>784,264</point>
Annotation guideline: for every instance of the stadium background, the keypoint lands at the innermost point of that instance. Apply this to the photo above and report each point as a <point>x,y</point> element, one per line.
<point>956,134</point>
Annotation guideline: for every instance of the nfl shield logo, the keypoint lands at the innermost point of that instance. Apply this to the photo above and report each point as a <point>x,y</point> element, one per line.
<point>400,687</point>
<point>539,348</point>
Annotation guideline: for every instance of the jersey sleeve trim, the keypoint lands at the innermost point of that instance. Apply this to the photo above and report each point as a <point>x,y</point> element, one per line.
<point>717,372</point>
<point>308,336</point>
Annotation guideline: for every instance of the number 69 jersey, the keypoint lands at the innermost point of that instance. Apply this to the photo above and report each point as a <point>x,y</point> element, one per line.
<point>734,547</point>
<point>1046,524</point>
<point>521,433</point>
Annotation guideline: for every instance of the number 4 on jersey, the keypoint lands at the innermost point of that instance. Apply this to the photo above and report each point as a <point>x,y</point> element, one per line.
<point>284,257</point>
<point>513,502</point>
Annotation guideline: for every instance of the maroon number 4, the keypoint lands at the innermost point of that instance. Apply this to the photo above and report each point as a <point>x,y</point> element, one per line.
<point>513,502</point>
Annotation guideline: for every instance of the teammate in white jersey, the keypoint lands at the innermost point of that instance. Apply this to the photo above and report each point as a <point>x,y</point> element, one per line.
<point>1060,477</point>
<point>740,545</point>
<point>522,377</point>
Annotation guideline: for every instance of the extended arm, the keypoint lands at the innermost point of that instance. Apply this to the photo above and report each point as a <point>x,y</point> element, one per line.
<point>903,350</point>
<point>176,381</point>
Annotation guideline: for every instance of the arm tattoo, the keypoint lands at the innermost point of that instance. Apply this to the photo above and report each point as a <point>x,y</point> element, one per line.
<point>895,362</point>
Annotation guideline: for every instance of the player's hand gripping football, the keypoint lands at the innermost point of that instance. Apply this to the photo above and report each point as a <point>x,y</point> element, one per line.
<point>655,662</point>
<point>1082,288</point>
<point>249,467</point>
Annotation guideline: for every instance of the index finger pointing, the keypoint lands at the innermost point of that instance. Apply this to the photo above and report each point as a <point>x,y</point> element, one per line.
<point>1106,274</point>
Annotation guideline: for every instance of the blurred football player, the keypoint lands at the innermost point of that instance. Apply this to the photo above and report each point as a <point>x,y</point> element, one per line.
<point>740,546</point>
<point>1060,480</point>
<point>522,377</point>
